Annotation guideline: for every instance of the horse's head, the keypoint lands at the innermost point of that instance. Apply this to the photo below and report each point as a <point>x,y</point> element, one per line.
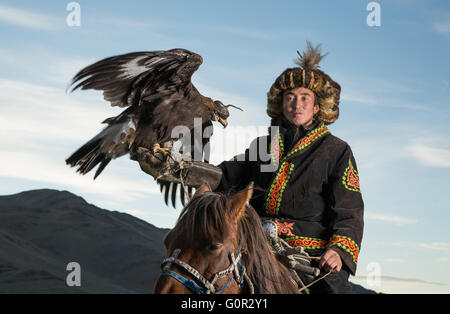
<point>203,253</point>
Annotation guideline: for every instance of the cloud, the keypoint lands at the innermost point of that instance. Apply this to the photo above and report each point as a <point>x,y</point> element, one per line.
<point>161,26</point>
<point>439,246</point>
<point>380,95</point>
<point>122,21</point>
<point>27,19</point>
<point>391,284</point>
<point>442,27</point>
<point>390,279</point>
<point>443,247</point>
<point>41,65</point>
<point>47,169</point>
<point>33,112</point>
<point>267,34</point>
<point>430,156</point>
<point>226,97</point>
<point>357,97</point>
<point>240,31</point>
<point>389,218</point>
<point>63,69</point>
<point>393,260</point>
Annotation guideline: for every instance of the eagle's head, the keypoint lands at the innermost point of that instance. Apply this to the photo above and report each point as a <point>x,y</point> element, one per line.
<point>220,113</point>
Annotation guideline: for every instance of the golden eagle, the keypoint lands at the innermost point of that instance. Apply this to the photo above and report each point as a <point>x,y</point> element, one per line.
<point>156,88</point>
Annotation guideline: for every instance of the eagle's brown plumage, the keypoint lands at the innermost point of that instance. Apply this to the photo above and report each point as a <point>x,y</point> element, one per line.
<point>155,88</point>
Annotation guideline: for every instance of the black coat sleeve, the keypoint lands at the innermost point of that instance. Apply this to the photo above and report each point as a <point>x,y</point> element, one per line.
<point>238,172</point>
<point>346,209</point>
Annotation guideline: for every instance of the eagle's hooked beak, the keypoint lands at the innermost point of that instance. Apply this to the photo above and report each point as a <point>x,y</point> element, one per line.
<point>223,122</point>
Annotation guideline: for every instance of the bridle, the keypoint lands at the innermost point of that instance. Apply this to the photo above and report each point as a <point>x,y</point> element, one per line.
<point>236,268</point>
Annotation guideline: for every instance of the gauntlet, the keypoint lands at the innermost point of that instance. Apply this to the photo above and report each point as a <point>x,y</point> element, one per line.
<point>189,173</point>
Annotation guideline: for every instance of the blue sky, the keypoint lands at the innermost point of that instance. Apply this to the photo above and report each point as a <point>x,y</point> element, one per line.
<point>394,106</point>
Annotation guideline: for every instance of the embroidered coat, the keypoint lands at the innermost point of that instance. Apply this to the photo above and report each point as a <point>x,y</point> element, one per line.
<point>313,195</point>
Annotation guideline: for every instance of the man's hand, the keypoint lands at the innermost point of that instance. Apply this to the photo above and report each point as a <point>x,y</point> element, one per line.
<point>330,261</point>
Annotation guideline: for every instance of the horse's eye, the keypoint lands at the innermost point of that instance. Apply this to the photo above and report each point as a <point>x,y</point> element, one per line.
<point>215,246</point>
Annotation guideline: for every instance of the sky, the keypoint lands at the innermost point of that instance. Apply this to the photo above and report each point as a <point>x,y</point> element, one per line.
<point>394,109</point>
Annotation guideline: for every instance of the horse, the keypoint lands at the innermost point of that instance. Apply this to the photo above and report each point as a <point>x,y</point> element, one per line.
<point>218,245</point>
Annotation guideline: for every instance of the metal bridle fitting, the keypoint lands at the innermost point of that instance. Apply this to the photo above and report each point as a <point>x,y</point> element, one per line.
<point>236,268</point>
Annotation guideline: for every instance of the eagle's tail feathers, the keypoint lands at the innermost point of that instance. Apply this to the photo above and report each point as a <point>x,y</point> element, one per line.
<point>114,141</point>
<point>102,166</point>
<point>83,151</point>
<point>88,156</point>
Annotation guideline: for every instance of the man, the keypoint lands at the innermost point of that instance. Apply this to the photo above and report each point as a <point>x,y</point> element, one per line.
<point>314,194</point>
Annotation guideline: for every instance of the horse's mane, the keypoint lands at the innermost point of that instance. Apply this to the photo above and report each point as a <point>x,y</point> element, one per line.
<point>208,214</point>
<point>203,216</point>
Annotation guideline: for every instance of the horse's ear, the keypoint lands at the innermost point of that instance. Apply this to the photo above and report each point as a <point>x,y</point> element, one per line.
<point>238,202</point>
<point>202,189</point>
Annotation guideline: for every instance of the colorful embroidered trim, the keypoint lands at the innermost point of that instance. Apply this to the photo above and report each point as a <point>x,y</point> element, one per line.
<point>343,242</point>
<point>347,244</point>
<point>310,138</point>
<point>307,243</point>
<point>277,147</point>
<point>285,228</point>
<point>277,188</point>
<point>281,152</point>
<point>350,179</point>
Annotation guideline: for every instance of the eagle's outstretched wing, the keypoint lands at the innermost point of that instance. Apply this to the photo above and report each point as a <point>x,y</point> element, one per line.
<point>132,78</point>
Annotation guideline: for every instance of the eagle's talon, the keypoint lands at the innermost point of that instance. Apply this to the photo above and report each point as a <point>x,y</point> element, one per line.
<point>161,150</point>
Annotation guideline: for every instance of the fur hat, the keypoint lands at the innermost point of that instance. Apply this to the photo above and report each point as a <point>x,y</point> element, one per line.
<point>306,75</point>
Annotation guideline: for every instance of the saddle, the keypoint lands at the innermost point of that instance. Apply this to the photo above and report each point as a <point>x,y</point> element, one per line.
<point>294,258</point>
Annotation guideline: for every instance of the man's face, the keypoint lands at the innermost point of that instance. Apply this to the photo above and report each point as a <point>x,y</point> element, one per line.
<point>298,106</point>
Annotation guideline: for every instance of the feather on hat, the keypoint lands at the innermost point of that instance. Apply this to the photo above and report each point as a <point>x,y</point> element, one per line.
<point>311,58</point>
